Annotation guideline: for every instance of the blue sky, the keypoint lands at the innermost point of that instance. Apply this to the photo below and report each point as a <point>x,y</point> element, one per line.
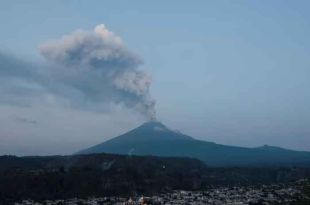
<point>232,72</point>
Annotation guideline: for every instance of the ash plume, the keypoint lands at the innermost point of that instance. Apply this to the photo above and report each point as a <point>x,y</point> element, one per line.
<point>100,68</point>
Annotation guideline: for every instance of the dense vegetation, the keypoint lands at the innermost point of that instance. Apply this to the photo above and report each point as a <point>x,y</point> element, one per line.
<point>306,199</point>
<point>105,174</point>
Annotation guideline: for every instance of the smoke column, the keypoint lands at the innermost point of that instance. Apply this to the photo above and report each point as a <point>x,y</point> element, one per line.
<point>101,69</point>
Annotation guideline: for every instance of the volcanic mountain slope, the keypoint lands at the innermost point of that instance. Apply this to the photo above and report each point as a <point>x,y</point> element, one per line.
<point>154,138</point>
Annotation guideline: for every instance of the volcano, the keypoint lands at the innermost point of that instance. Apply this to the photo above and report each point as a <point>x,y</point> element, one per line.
<point>154,138</point>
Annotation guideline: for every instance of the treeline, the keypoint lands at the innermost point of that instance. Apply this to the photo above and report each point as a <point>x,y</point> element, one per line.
<point>97,175</point>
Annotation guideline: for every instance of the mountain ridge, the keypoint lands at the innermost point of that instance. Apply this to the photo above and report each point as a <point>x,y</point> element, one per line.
<point>154,138</point>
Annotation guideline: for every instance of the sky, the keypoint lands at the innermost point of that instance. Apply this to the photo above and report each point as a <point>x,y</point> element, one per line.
<point>76,73</point>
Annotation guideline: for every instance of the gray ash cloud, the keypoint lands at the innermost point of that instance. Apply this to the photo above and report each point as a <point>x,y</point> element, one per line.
<point>87,69</point>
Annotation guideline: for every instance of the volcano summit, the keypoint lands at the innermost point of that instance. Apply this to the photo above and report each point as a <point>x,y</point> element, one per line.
<point>154,138</point>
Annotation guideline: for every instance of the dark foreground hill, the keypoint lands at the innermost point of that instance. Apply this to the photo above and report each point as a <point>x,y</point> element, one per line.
<point>154,138</point>
<point>106,174</point>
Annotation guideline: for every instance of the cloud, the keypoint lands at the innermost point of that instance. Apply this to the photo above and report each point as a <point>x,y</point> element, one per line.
<point>85,69</point>
<point>20,82</point>
<point>99,66</point>
<point>25,120</point>
<point>99,48</point>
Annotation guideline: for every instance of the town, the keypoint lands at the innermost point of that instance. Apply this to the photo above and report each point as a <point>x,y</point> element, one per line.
<point>241,195</point>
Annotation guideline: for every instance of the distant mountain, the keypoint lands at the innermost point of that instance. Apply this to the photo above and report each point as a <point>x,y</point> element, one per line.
<point>154,138</point>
